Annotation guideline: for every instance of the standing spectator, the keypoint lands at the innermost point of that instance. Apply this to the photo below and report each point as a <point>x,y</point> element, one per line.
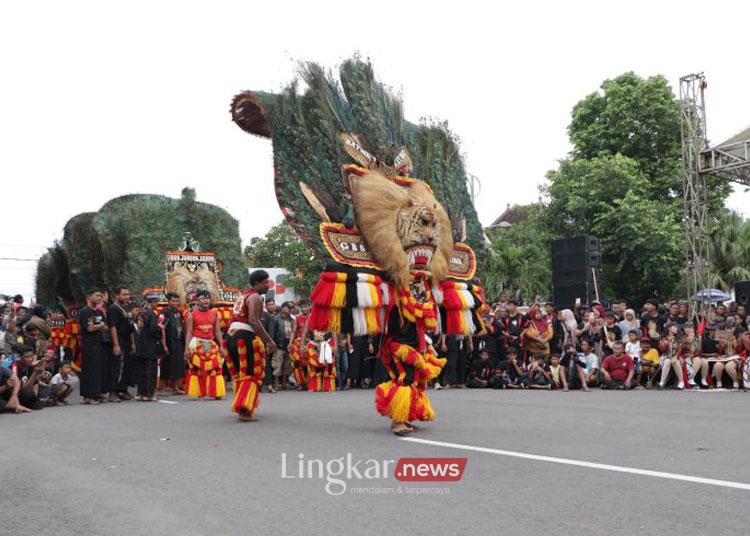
<point>538,334</point>
<point>343,350</point>
<point>630,323</point>
<point>147,345</point>
<point>92,324</point>
<point>609,333</point>
<point>514,325</point>
<point>618,369</point>
<point>282,333</point>
<point>120,365</point>
<point>652,323</point>
<point>268,319</point>
<point>173,365</point>
<point>569,327</point>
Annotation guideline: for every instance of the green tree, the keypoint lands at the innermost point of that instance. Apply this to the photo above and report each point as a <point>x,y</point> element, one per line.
<point>635,117</point>
<point>730,250</point>
<point>583,189</point>
<point>518,259</point>
<point>642,248</point>
<point>282,248</point>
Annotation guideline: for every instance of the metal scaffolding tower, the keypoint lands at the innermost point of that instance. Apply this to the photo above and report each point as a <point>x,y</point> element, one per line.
<point>695,218</point>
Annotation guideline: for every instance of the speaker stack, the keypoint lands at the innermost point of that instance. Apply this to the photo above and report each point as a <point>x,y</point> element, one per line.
<point>742,292</point>
<point>576,274</point>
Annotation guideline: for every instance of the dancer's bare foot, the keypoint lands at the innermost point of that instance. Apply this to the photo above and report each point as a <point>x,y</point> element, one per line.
<point>411,426</point>
<point>246,417</point>
<point>400,428</point>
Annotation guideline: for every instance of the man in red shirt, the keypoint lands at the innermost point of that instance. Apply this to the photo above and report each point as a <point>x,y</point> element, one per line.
<point>618,369</point>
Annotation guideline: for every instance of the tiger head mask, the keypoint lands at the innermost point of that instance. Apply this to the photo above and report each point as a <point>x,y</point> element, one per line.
<point>404,227</point>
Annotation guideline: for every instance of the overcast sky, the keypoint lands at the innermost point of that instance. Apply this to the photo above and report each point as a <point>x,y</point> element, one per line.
<point>100,99</point>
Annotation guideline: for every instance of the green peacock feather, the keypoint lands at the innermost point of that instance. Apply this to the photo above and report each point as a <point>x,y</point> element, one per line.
<point>305,128</point>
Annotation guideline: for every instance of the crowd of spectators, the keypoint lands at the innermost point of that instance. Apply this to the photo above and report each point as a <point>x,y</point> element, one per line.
<point>662,346</point>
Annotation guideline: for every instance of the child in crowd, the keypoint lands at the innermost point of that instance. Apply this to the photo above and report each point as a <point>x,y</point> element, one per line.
<point>633,346</point>
<point>557,373</point>
<point>63,384</point>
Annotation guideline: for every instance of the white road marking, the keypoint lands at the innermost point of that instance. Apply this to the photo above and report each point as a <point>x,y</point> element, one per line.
<point>590,465</point>
<point>167,402</point>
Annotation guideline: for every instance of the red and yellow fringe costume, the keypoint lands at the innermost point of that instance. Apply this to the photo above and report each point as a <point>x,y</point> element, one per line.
<point>246,381</point>
<point>204,375</point>
<point>322,377</point>
<point>299,363</point>
<point>403,398</point>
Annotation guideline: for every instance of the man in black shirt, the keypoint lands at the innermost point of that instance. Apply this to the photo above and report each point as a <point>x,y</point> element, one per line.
<point>652,323</point>
<point>482,372</point>
<point>94,355</point>
<point>514,325</point>
<point>149,340</point>
<point>120,360</point>
<point>509,373</point>
<point>173,367</point>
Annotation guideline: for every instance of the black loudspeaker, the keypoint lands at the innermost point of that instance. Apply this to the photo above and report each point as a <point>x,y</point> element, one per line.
<point>742,292</point>
<point>575,270</point>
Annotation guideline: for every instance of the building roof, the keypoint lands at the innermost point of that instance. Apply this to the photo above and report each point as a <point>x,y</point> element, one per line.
<point>510,216</point>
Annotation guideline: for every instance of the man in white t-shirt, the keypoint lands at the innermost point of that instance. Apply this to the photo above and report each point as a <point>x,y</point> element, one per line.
<point>592,363</point>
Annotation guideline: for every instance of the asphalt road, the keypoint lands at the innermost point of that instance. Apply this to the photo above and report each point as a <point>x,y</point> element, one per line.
<point>191,468</point>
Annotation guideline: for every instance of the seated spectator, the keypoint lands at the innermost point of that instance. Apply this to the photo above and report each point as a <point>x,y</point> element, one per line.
<point>592,368</point>
<point>618,369</point>
<point>30,373</point>
<point>575,368</point>
<point>509,374</point>
<point>10,387</point>
<point>539,376</point>
<point>557,373</point>
<point>699,366</point>
<point>648,363</point>
<point>62,384</point>
<point>727,362</point>
<point>482,371</point>
<point>672,357</point>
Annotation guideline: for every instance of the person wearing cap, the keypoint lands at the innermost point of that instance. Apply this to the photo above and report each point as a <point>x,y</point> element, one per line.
<point>147,346</point>
<point>203,343</point>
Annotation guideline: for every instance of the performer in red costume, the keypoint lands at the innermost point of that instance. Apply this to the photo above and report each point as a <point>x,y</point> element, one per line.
<point>297,350</point>
<point>203,343</point>
<point>248,343</point>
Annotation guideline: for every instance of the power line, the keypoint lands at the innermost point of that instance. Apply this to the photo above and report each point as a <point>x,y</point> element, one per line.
<point>17,259</point>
